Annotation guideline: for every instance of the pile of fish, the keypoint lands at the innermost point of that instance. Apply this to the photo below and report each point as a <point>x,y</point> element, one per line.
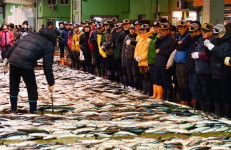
<point>97,114</point>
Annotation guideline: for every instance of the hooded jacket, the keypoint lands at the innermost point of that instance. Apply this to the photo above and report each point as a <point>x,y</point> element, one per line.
<point>218,54</point>
<point>34,46</point>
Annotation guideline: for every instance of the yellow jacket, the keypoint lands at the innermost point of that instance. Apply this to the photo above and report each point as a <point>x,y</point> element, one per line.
<point>75,41</point>
<point>142,46</point>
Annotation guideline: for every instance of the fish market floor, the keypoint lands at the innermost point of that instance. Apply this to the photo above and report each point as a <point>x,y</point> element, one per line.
<point>96,114</point>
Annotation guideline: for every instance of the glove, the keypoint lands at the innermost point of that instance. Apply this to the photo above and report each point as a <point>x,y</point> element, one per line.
<point>128,42</point>
<point>208,44</point>
<point>195,55</point>
<point>226,61</point>
<point>51,88</point>
<point>5,65</point>
<point>138,59</point>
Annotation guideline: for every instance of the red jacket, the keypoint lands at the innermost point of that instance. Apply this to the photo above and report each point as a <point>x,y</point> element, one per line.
<point>6,38</point>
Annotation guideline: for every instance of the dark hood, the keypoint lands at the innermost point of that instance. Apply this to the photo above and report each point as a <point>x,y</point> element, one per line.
<point>49,34</point>
<point>223,39</point>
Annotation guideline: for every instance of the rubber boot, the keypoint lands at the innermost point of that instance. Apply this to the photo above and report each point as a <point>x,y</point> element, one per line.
<point>62,60</point>
<point>33,106</point>
<point>155,93</point>
<point>150,88</point>
<point>145,87</point>
<point>160,92</point>
<point>13,102</point>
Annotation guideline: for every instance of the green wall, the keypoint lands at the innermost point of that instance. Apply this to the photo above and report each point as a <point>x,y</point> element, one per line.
<point>105,7</point>
<point>62,12</point>
<point>148,8</point>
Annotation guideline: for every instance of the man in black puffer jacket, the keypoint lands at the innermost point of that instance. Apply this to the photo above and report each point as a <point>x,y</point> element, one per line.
<point>23,58</point>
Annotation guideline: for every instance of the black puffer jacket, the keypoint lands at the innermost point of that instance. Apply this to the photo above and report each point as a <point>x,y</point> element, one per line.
<point>128,50</point>
<point>166,45</point>
<point>84,45</point>
<point>34,46</point>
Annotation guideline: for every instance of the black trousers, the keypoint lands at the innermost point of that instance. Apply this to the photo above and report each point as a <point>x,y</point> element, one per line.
<point>205,88</point>
<point>165,77</point>
<point>61,48</point>
<point>28,76</point>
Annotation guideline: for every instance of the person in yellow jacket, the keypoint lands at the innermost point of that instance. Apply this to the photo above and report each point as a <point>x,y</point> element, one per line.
<point>141,52</point>
<point>75,48</point>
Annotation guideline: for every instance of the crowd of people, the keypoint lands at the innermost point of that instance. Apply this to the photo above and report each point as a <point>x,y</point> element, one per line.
<point>187,64</point>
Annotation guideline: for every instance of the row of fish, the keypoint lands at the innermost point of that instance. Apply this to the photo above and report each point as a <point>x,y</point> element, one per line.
<point>97,114</point>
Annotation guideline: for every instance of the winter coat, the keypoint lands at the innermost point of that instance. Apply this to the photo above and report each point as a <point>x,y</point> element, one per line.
<point>60,39</point>
<point>141,49</point>
<point>93,40</point>
<point>84,46</point>
<point>202,64</point>
<point>64,36</point>
<point>34,46</point>
<point>152,49</point>
<point>70,38</point>
<point>218,54</point>
<point>108,42</point>
<point>75,41</point>
<point>166,45</point>
<point>191,62</point>
<point>7,38</point>
<point>128,50</point>
<point>117,50</point>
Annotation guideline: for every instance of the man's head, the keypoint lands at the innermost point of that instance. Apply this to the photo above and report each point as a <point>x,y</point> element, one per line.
<point>106,25</point>
<point>144,29</point>
<point>137,25</point>
<point>156,26</point>
<point>61,25</point>
<point>11,26</point>
<point>49,25</point>
<point>87,28</point>
<point>118,27</point>
<point>25,24</point>
<point>126,24</point>
<point>67,25</point>
<point>207,30</point>
<point>132,29</point>
<point>165,29</point>
<point>194,29</point>
<point>76,28</point>
<point>182,27</point>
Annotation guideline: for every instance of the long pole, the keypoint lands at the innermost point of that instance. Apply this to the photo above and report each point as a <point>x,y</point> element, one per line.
<point>52,102</point>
